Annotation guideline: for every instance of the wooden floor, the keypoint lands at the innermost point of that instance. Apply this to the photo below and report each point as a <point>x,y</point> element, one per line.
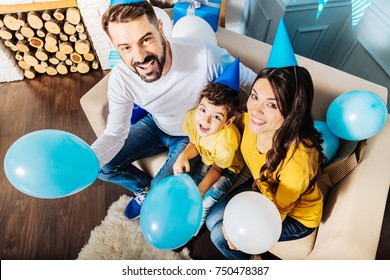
<point>32,228</point>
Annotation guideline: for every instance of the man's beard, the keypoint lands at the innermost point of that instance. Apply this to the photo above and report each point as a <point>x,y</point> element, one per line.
<point>160,64</point>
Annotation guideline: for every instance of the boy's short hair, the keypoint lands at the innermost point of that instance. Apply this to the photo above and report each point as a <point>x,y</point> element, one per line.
<point>221,95</point>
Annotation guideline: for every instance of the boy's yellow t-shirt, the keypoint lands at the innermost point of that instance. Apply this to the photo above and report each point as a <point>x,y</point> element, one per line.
<point>291,197</point>
<point>221,148</point>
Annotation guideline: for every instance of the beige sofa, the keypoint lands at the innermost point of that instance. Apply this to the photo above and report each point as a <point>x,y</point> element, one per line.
<point>354,209</point>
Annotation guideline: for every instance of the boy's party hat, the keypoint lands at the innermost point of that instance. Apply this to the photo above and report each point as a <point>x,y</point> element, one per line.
<point>231,76</point>
<point>115,2</point>
<point>282,53</point>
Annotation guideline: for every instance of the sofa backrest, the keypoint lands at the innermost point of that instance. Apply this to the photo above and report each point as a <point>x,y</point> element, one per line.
<point>328,82</point>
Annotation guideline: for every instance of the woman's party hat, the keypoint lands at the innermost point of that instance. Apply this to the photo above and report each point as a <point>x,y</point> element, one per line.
<point>282,53</point>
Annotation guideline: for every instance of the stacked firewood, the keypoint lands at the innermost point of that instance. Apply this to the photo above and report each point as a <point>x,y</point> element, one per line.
<point>50,41</point>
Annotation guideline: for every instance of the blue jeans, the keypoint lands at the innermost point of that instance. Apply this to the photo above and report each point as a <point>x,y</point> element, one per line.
<point>291,228</point>
<point>216,191</point>
<point>144,140</point>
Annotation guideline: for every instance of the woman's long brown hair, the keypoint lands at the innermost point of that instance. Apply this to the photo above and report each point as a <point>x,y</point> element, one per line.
<point>294,92</point>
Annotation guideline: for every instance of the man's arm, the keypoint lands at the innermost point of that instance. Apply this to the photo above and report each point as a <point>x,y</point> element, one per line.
<point>118,122</point>
<point>247,77</point>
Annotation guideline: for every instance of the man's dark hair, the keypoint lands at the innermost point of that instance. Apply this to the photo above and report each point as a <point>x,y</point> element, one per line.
<point>123,13</point>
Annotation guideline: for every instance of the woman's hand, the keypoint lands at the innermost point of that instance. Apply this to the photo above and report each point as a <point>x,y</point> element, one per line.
<point>231,246</point>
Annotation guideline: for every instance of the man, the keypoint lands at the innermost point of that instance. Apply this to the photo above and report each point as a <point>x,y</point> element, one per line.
<point>164,78</point>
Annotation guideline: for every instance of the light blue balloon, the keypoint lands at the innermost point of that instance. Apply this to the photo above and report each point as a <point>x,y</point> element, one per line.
<point>50,164</point>
<point>171,212</point>
<point>331,142</point>
<point>356,115</point>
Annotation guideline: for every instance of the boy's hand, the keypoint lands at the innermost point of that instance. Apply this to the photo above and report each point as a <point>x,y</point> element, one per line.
<point>181,165</point>
<point>202,192</point>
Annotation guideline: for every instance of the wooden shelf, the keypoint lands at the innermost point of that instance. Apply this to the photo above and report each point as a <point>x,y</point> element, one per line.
<point>37,6</point>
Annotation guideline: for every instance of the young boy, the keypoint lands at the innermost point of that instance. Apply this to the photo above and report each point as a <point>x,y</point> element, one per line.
<point>215,138</point>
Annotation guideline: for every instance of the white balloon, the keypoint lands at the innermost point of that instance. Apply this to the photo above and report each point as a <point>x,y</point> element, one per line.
<point>166,21</point>
<point>252,222</point>
<point>194,27</point>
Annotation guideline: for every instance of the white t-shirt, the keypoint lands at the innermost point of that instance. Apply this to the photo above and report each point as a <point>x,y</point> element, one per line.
<point>194,65</point>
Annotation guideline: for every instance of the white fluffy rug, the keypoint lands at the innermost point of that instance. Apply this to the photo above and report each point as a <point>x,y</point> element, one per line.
<point>117,238</point>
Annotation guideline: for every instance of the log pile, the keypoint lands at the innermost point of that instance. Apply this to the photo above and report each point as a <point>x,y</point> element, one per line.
<point>49,41</point>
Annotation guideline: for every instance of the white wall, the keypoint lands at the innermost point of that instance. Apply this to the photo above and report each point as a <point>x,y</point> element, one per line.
<point>233,14</point>
<point>92,12</point>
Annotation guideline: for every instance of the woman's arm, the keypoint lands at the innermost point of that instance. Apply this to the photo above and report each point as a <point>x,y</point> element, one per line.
<point>295,176</point>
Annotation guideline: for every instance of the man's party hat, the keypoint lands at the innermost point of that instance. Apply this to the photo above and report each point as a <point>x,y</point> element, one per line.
<point>282,53</point>
<point>231,76</point>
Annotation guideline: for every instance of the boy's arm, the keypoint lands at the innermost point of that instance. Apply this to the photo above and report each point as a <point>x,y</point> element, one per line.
<point>182,162</point>
<point>211,177</point>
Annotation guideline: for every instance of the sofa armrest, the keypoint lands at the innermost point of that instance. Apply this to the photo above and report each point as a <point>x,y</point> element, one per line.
<point>354,210</point>
<point>95,105</point>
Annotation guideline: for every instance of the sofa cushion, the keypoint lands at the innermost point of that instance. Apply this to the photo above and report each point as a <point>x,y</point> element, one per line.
<point>294,249</point>
<point>151,165</point>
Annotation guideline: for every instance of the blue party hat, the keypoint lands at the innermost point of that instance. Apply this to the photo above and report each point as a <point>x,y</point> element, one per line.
<point>282,53</point>
<point>231,76</point>
<point>115,2</point>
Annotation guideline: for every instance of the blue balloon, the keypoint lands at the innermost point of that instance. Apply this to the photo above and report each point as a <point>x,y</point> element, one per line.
<point>50,164</point>
<point>356,115</point>
<point>171,212</point>
<point>331,142</point>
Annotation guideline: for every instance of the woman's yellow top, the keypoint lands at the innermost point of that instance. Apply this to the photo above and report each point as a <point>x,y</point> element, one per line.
<point>292,197</point>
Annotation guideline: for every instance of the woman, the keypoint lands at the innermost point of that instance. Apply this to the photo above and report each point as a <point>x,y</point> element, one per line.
<point>282,149</point>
